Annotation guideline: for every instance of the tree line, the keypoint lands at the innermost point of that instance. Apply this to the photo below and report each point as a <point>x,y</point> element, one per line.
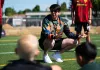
<point>9,11</point>
<point>96,7</point>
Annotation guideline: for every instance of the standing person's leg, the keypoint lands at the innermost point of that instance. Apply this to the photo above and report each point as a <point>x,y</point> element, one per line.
<point>88,39</point>
<point>78,29</point>
<point>79,41</point>
<point>87,31</point>
<point>0,30</point>
<point>48,45</point>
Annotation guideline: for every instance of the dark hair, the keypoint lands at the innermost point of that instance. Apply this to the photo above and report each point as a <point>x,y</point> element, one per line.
<point>55,7</point>
<point>87,50</point>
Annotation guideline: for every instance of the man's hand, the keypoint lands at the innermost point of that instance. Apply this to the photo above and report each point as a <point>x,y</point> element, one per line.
<point>73,21</point>
<point>90,22</point>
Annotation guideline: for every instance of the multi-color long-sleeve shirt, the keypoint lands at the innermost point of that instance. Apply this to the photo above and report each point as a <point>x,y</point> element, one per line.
<point>56,28</point>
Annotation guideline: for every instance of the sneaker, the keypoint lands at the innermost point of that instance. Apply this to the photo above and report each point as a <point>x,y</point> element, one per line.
<point>47,59</point>
<point>57,57</point>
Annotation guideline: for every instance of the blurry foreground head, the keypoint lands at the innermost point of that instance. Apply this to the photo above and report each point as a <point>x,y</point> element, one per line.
<point>85,53</point>
<point>27,47</point>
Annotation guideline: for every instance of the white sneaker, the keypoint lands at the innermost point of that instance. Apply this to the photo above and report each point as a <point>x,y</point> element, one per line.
<point>57,57</point>
<point>47,59</point>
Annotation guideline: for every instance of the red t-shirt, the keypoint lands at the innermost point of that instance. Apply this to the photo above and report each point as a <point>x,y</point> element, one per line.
<point>81,8</point>
<point>1,5</point>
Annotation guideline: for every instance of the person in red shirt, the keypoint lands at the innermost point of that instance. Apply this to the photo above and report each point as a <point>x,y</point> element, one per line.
<point>1,6</point>
<point>81,16</point>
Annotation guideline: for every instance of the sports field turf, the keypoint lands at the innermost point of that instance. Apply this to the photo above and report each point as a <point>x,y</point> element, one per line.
<point>7,45</point>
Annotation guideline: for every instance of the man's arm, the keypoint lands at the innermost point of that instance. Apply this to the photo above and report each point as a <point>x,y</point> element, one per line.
<point>90,16</point>
<point>73,12</point>
<point>90,11</point>
<point>47,29</point>
<point>68,33</point>
<point>73,16</point>
<point>2,2</point>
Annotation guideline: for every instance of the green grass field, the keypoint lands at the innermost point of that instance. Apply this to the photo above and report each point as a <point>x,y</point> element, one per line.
<point>8,44</point>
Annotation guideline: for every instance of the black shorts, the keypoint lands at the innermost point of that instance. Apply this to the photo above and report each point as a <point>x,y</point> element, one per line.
<point>79,25</point>
<point>57,45</point>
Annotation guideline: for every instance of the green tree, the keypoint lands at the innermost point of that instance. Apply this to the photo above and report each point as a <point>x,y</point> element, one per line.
<point>26,10</point>
<point>20,12</point>
<point>36,9</point>
<point>9,11</point>
<point>63,7</point>
<point>96,7</point>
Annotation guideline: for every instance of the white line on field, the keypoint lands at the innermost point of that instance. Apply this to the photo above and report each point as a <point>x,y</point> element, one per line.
<point>96,40</point>
<point>7,40</point>
<point>7,52</point>
<point>95,37</point>
<point>9,44</point>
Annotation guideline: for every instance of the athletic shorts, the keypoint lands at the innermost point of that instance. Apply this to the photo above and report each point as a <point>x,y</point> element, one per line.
<point>79,25</point>
<point>57,45</point>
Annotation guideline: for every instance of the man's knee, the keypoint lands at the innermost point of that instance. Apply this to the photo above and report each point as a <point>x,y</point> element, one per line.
<point>68,41</point>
